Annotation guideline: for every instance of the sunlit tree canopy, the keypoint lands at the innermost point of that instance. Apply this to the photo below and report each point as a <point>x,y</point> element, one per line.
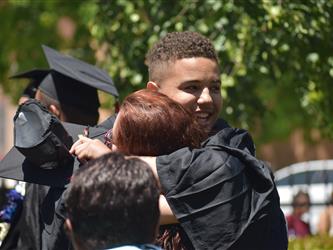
<point>276,56</point>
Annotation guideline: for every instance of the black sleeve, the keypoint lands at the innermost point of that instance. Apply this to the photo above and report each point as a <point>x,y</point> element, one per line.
<point>187,175</point>
<point>222,195</point>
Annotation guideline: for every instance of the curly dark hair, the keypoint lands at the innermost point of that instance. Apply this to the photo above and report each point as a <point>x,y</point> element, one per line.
<point>113,200</point>
<point>179,45</point>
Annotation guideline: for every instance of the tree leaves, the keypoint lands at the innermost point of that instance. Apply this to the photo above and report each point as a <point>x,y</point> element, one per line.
<point>276,59</point>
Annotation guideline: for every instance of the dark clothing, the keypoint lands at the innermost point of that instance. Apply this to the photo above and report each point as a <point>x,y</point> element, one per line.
<point>15,166</point>
<point>40,224</point>
<point>108,123</point>
<point>21,232</point>
<point>223,196</point>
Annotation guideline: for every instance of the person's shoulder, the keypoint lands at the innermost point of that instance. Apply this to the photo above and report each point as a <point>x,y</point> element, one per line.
<point>230,136</point>
<point>108,123</point>
<point>219,125</point>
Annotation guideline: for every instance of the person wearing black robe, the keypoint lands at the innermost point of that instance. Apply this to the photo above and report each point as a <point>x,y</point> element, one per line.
<point>69,90</point>
<point>222,196</point>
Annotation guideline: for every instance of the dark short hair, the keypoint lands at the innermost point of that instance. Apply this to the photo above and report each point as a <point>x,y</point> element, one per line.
<point>71,114</point>
<point>295,201</point>
<point>113,200</point>
<point>179,45</point>
<point>153,124</point>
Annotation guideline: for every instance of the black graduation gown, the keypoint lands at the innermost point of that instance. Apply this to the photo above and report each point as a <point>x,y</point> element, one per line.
<point>180,181</point>
<point>40,224</point>
<point>223,197</point>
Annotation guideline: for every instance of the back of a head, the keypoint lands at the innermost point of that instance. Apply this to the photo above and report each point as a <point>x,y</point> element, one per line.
<point>300,200</point>
<point>113,201</point>
<point>152,124</point>
<point>175,46</point>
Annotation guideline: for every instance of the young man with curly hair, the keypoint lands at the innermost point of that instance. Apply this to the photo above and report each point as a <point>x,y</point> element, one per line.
<point>222,196</point>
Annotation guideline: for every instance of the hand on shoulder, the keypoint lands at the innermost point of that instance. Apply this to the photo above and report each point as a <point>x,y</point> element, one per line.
<point>85,148</point>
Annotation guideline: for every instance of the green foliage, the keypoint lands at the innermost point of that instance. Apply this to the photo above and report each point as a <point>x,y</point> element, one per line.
<point>26,24</point>
<point>276,60</point>
<point>312,243</point>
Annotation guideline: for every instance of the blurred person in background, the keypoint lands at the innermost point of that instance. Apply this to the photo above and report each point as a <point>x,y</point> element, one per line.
<point>297,227</point>
<point>325,224</point>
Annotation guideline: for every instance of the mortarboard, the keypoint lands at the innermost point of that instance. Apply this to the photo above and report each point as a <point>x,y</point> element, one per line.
<point>74,82</point>
<point>58,81</point>
<point>35,76</point>
<point>15,166</point>
<point>70,81</point>
<point>33,137</point>
<point>41,143</point>
<point>80,71</point>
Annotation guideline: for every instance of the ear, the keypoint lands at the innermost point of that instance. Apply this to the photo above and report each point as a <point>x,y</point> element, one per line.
<point>152,86</point>
<point>55,110</point>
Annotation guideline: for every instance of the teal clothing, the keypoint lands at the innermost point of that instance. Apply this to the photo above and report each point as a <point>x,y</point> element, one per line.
<point>137,247</point>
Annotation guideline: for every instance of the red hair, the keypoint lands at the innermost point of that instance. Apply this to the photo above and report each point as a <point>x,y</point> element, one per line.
<point>152,124</point>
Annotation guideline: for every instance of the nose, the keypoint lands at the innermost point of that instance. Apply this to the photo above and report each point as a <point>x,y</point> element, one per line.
<point>205,97</point>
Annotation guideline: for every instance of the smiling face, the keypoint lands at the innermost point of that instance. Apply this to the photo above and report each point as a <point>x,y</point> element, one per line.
<point>194,83</point>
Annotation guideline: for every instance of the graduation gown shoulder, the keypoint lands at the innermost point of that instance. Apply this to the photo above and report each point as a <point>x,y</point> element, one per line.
<point>222,195</point>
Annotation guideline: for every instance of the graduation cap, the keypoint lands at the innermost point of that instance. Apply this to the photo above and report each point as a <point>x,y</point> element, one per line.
<point>41,146</point>
<point>16,166</point>
<point>65,81</point>
<point>70,81</point>
<point>35,76</point>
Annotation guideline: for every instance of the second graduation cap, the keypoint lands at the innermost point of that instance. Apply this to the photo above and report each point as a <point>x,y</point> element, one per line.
<point>35,76</point>
<point>70,81</point>
<point>74,82</point>
<point>64,82</point>
<point>15,165</point>
<point>41,142</point>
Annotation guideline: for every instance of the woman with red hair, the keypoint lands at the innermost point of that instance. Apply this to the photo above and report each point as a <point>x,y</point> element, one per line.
<point>150,124</point>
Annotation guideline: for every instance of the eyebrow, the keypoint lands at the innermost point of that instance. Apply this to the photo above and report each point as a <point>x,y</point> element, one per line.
<point>198,81</point>
<point>190,81</point>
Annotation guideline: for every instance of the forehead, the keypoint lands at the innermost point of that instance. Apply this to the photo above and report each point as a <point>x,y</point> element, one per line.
<point>190,69</point>
<point>302,198</point>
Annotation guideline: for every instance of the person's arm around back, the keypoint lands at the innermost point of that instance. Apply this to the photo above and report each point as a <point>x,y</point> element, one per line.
<point>85,149</point>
